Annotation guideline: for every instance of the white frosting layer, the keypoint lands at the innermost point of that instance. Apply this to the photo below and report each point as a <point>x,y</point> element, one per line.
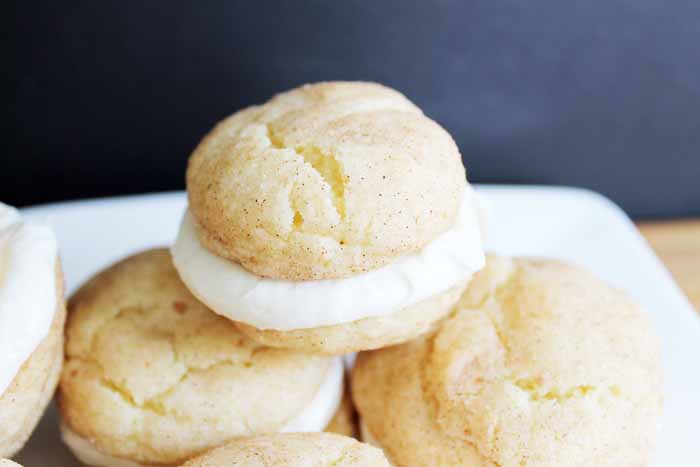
<point>230,290</point>
<point>318,414</point>
<point>314,417</point>
<point>28,254</point>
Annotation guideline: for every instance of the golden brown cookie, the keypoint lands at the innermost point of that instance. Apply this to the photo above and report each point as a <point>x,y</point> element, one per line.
<point>153,377</point>
<point>23,403</point>
<point>542,365</point>
<point>324,181</point>
<point>292,450</point>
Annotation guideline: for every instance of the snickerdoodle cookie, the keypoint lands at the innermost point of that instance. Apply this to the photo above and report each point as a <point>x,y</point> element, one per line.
<point>153,377</point>
<point>335,217</point>
<point>541,365</point>
<point>292,450</point>
<point>324,181</point>
<point>32,314</point>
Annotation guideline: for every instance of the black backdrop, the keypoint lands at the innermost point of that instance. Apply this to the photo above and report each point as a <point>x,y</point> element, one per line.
<point>110,97</point>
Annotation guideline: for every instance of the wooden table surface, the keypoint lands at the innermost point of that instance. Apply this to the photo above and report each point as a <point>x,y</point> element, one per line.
<point>677,243</point>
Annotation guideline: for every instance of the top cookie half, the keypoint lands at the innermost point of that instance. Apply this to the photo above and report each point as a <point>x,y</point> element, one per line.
<point>324,181</point>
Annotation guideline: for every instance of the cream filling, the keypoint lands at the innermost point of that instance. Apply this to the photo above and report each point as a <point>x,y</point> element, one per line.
<point>314,417</point>
<point>318,414</point>
<point>230,290</point>
<point>28,254</point>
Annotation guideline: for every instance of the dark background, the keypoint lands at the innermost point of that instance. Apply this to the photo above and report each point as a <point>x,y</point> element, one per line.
<point>111,97</point>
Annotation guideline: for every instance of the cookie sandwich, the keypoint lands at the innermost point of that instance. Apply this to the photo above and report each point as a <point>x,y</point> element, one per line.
<point>153,377</point>
<point>542,364</point>
<point>32,314</point>
<point>335,217</point>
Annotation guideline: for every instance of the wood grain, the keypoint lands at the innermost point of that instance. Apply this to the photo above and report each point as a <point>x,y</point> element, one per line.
<point>677,243</point>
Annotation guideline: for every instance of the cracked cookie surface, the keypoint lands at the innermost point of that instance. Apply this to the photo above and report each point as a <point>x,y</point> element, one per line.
<point>324,181</point>
<point>542,365</point>
<point>293,450</point>
<point>153,376</point>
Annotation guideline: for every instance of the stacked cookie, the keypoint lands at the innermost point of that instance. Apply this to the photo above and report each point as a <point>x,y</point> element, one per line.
<point>152,377</point>
<point>32,313</point>
<point>541,364</point>
<point>332,219</point>
<point>337,218</point>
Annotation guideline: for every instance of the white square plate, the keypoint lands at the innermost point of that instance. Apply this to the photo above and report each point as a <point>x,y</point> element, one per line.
<point>571,224</point>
